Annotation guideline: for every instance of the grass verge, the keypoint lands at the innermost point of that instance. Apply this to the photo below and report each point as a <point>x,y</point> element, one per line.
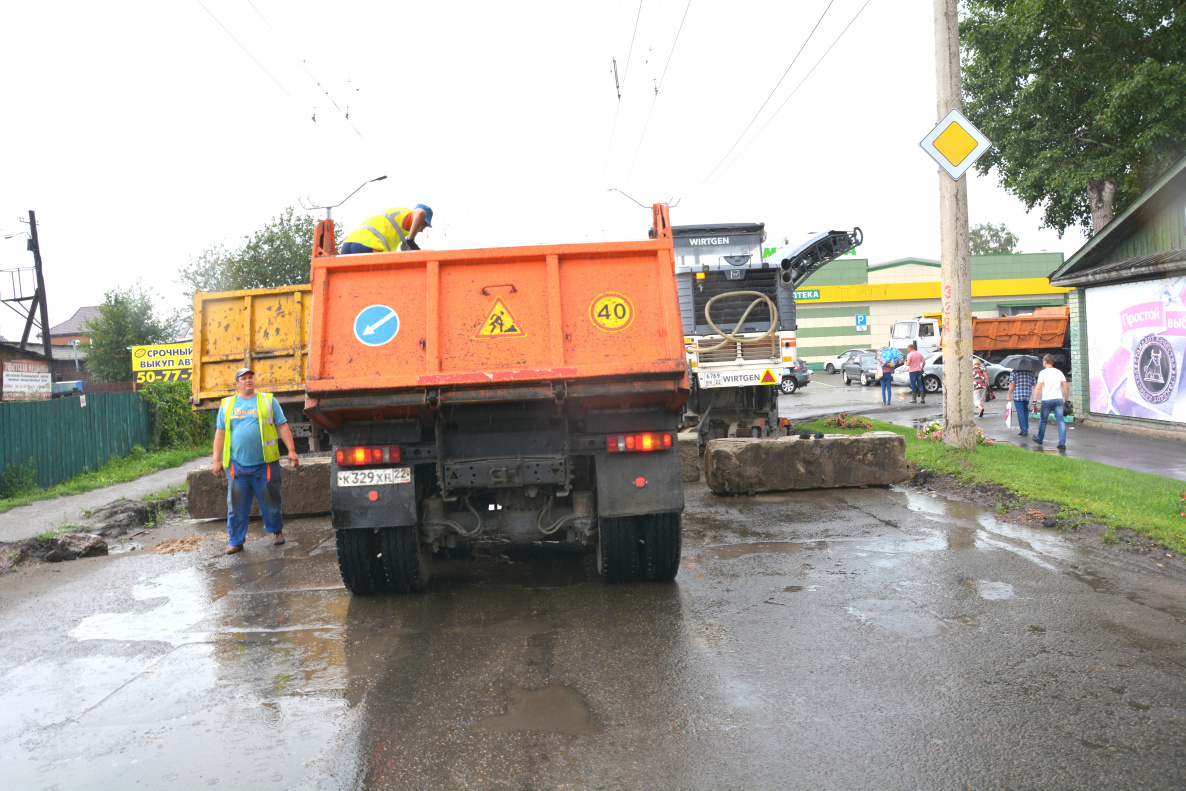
<point>1117,497</point>
<point>115,471</point>
<point>164,494</point>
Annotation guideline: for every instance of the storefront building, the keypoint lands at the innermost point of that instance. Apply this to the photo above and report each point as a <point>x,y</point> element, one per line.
<point>1128,313</point>
<point>849,304</point>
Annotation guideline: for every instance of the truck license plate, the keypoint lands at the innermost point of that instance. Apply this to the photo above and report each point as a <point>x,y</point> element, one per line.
<point>714,379</point>
<point>375,477</point>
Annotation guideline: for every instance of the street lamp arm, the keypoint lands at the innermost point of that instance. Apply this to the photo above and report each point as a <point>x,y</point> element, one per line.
<point>329,209</point>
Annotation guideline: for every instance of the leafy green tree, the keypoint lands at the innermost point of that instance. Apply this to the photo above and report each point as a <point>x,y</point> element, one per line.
<point>989,239</point>
<point>127,317</point>
<point>174,423</point>
<point>1084,100</point>
<point>276,255</point>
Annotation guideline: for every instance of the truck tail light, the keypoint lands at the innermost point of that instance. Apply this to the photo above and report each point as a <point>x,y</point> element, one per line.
<point>364,456</point>
<point>645,442</point>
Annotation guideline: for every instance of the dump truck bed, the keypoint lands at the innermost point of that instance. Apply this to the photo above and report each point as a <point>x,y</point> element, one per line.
<point>396,330</point>
<point>1046,328</point>
<point>265,329</point>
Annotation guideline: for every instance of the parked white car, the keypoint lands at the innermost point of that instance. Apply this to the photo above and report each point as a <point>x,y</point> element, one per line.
<point>836,363</point>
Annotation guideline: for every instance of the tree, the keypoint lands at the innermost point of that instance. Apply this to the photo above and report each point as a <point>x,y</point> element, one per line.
<point>1084,100</point>
<point>279,254</point>
<point>989,239</point>
<point>126,318</point>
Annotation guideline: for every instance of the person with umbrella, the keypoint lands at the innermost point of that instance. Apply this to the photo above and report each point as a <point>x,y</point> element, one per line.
<point>1021,389</point>
<point>888,359</point>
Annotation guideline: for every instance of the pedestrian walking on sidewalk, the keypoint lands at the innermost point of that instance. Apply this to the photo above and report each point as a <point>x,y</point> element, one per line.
<point>979,385</point>
<point>246,447</point>
<point>1021,390</point>
<point>887,378</point>
<point>1054,394</point>
<point>914,363</point>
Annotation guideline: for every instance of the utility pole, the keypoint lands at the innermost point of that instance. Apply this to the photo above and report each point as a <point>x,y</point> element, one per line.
<point>39,302</point>
<point>959,430</point>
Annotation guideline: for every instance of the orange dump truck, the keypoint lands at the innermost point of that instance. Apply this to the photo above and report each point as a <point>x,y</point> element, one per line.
<point>529,392</point>
<point>1042,332</point>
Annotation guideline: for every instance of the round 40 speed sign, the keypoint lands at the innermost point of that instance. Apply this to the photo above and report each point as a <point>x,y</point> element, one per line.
<point>611,312</point>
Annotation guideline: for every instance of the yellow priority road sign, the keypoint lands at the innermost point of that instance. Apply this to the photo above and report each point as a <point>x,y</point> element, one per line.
<point>955,144</point>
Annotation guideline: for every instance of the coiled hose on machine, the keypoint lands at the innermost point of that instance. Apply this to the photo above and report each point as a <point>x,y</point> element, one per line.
<point>731,337</point>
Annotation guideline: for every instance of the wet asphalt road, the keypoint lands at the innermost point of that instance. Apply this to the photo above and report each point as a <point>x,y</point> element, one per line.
<point>844,639</point>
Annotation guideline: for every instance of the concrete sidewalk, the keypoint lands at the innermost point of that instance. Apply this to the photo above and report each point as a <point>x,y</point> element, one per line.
<point>27,521</point>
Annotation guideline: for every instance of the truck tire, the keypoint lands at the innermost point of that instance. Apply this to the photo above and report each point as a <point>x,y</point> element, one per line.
<point>406,561</point>
<point>660,547</point>
<point>359,562</point>
<point>617,549</point>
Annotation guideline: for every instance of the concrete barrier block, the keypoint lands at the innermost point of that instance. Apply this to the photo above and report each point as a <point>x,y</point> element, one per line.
<point>689,457</point>
<point>303,491</point>
<point>737,466</point>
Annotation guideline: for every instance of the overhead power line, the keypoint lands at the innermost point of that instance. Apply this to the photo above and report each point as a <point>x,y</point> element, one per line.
<point>655,98</point>
<point>296,57</point>
<point>797,87</point>
<point>630,52</point>
<point>620,87</point>
<point>767,100</point>
<point>240,43</point>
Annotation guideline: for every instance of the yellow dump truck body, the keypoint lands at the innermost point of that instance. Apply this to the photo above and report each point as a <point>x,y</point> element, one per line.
<point>265,329</point>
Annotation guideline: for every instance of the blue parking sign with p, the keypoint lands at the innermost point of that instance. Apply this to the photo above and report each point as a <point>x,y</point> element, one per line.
<point>862,319</point>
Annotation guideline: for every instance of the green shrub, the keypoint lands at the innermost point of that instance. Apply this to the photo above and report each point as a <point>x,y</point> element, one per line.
<point>174,424</point>
<point>18,479</point>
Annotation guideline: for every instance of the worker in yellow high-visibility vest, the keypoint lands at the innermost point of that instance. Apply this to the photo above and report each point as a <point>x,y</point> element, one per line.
<point>247,432</point>
<point>394,229</point>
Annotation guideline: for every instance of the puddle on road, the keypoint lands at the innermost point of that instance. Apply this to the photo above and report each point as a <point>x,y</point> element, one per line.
<point>553,709</point>
<point>986,589</point>
<point>730,551</point>
<point>515,627</point>
<point>902,617</point>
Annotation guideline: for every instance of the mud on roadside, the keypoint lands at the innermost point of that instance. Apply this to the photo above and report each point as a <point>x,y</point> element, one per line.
<point>88,537</point>
<point>1077,527</point>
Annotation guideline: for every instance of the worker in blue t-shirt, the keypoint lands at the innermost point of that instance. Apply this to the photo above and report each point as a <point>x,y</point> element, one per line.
<point>246,445</point>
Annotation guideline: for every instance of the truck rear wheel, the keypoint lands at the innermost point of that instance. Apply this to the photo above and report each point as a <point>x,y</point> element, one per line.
<point>359,562</point>
<point>406,561</point>
<point>660,547</point>
<point>617,549</point>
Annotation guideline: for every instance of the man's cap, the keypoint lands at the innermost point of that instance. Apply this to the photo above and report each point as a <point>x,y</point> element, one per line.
<point>427,214</point>
<point>242,371</point>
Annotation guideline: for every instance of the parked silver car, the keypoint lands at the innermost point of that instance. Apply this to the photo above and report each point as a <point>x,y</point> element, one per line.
<point>932,374</point>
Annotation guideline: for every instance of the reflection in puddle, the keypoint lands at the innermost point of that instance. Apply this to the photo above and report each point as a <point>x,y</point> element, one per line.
<point>553,709</point>
<point>184,604</point>
<point>992,591</point>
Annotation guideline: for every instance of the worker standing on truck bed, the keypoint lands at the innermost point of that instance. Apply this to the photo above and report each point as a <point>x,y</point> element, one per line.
<point>394,229</point>
<point>246,445</point>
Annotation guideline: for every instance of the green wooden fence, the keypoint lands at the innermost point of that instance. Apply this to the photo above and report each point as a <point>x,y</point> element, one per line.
<point>65,438</point>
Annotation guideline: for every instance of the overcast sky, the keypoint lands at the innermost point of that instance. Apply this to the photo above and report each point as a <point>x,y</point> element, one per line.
<point>144,132</point>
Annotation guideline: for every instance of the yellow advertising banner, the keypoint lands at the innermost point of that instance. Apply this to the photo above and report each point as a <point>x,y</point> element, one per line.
<point>163,362</point>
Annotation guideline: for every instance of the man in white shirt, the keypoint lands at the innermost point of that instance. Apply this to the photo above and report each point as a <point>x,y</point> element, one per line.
<point>1053,393</point>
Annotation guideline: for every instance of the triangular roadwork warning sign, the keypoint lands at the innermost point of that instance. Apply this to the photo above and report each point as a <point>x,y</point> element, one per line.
<point>499,322</point>
<point>768,377</point>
